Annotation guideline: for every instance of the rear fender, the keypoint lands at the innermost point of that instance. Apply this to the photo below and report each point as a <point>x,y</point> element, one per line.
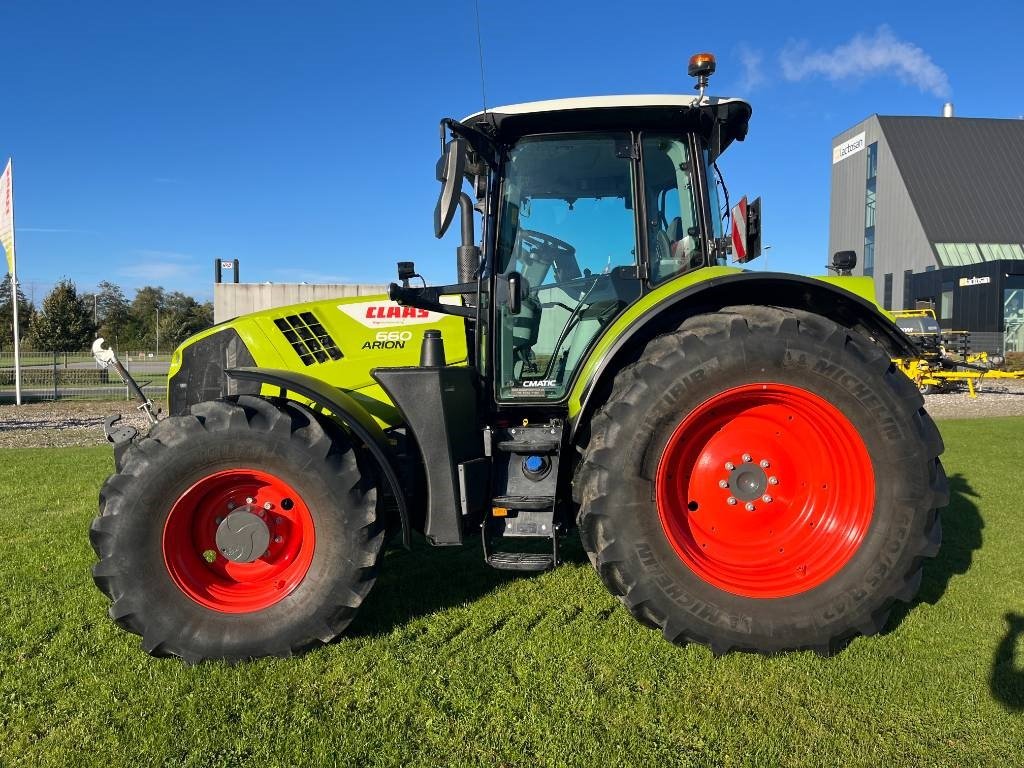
<point>844,300</point>
<point>349,412</point>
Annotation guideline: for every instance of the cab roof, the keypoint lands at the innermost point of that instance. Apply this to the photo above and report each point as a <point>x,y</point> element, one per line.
<point>634,111</point>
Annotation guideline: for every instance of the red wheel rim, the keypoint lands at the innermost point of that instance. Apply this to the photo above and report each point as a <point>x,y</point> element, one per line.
<point>801,483</point>
<point>202,572</point>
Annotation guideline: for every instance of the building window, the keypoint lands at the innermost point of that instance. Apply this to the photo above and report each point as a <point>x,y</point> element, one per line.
<point>887,291</point>
<point>869,210</point>
<point>962,254</point>
<point>946,302</point>
<point>869,251</point>
<point>1013,315</point>
<point>869,204</point>
<point>906,288</point>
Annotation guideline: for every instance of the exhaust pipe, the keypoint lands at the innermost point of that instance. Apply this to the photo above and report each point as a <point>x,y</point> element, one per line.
<point>467,254</point>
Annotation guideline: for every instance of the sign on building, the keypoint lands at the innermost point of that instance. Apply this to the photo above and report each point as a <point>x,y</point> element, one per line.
<point>847,148</point>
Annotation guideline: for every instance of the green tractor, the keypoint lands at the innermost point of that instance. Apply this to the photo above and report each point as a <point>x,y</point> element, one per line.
<point>744,465</point>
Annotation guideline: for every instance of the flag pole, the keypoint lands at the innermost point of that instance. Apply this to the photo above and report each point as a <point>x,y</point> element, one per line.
<point>14,296</point>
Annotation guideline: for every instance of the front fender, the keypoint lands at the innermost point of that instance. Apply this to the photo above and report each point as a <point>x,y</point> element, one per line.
<point>844,300</point>
<point>349,412</point>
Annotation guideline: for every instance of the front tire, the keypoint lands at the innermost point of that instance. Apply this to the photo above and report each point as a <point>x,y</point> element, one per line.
<point>242,530</point>
<point>761,479</point>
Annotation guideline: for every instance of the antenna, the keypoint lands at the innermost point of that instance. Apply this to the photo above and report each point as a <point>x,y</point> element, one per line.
<point>480,49</point>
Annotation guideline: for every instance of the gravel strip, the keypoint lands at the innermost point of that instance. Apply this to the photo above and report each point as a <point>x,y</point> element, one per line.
<point>66,423</point>
<point>62,424</point>
<point>999,397</point>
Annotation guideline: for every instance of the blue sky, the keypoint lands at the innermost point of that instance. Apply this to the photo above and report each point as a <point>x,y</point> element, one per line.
<point>301,137</point>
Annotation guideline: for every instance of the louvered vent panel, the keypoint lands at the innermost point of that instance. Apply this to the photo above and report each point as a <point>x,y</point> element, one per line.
<point>308,338</point>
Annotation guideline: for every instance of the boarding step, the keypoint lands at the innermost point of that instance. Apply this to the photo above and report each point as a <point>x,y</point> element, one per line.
<point>538,526</point>
<point>536,503</point>
<point>529,446</point>
<point>520,561</point>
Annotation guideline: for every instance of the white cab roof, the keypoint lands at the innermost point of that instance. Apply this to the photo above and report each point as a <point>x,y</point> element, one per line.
<point>604,102</point>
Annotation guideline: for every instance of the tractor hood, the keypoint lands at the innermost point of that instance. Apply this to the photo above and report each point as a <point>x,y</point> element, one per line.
<point>339,341</point>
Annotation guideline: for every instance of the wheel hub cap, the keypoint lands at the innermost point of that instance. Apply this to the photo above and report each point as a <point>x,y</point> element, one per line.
<point>747,482</point>
<point>242,536</point>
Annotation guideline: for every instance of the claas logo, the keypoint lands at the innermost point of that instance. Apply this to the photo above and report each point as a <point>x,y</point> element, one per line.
<point>388,311</point>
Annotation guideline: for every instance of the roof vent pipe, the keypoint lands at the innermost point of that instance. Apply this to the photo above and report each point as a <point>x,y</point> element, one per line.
<point>947,109</point>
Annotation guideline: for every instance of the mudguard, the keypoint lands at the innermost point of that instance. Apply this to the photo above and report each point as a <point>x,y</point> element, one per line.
<point>844,300</point>
<point>346,410</point>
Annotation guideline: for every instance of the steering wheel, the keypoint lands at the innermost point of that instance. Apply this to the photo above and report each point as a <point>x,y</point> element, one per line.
<point>549,250</point>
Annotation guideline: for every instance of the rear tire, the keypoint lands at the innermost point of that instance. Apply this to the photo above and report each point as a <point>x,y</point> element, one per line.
<point>158,533</point>
<point>820,405</point>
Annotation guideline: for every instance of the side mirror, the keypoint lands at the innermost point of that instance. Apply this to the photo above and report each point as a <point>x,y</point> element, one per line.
<point>746,230</point>
<point>843,262</point>
<point>450,169</point>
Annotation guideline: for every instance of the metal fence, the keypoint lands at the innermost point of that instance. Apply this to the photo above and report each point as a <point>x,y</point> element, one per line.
<point>76,376</point>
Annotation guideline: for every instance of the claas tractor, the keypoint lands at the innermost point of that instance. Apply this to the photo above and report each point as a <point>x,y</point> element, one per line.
<point>743,464</point>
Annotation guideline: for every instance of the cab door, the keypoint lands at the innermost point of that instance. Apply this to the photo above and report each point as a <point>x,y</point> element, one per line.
<point>567,244</point>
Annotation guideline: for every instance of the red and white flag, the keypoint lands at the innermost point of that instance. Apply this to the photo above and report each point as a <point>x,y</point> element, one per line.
<point>739,230</point>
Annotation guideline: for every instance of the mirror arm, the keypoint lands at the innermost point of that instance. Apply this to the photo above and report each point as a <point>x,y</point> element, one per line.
<point>430,298</point>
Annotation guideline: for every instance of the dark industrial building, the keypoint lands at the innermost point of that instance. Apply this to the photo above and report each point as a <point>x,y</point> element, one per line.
<point>934,208</point>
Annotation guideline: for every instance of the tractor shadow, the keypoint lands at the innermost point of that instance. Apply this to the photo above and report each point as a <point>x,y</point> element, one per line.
<point>1006,681</point>
<point>426,579</point>
<point>961,536</point>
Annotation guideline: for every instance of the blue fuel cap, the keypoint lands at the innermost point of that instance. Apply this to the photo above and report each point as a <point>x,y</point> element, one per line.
<point>533,466</point>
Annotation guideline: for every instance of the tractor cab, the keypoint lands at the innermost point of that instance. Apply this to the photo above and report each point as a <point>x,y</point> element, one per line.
<point>587,220</point>
<point>587,204</point>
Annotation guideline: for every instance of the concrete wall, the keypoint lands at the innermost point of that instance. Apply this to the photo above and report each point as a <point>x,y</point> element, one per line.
<point>234,299</point>
<point>900,242</point>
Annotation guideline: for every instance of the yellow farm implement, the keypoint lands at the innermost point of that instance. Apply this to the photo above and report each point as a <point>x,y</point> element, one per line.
<point>944,361</point>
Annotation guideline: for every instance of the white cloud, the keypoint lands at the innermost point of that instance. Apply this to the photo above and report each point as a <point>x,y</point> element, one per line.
<point>155,266</point>
<point>882,54</point>
<point>752,73</point>
<point>308,276</point>
<point>56,230</point>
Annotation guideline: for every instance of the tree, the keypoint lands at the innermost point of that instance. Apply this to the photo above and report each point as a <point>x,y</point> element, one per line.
<point>142,316</point>
<point>64,322</point>
<point>183,316</point>
<point>25,312</point>
<point>112,311</point>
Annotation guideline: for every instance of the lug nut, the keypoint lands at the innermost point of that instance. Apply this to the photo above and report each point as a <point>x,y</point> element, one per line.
<point>267,505</point>
<point>765,464</point>
<point>750,506</point>
<point>747,458</point>
<point>766,499</point>
<point>723,483</point>
<point>773,480</point>
<point>218,520</point>
<point>249,499</point>
<point>730,501</point>
<point>278,539</point>
<point>730,466</point>
<point>231,506</point>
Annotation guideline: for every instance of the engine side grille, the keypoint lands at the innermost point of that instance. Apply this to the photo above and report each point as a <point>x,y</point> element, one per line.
<point>308,338</point>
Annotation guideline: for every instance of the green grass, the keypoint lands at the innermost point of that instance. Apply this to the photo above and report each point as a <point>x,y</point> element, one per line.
<point>450,663</point>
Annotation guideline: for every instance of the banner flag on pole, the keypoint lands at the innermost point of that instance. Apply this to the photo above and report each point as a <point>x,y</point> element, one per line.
<point>7,241</point>
<point>7,216</point>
